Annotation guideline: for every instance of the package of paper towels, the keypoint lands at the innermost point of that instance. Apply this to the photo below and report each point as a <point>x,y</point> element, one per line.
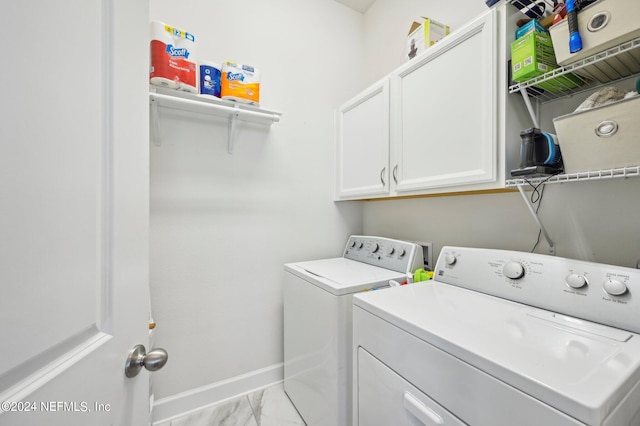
<point>173,58</point>
<point>209,78</point>
<point>240,83</point>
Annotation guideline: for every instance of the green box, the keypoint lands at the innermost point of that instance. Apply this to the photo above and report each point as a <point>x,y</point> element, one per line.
<point>533,55</point>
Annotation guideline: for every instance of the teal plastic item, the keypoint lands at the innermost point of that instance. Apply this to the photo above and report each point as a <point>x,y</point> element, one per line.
<point>529,27</point>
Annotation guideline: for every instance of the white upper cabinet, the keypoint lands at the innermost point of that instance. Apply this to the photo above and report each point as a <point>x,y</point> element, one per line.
<point>443,122</point>
<point>362,147</point>
<point>444,112</point>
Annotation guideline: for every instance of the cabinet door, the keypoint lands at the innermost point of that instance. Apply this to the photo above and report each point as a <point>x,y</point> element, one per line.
<point>362,151</point>
<point>444,111</point>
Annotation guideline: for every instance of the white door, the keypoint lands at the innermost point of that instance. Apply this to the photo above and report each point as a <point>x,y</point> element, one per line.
<point>362,148</point>
<point>74,211</point>
<point>444,111</point>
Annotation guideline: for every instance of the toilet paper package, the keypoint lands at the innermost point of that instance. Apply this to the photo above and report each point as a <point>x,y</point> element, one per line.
<point>240,83</point>
<point>173,58</point>
<point>210,78</point>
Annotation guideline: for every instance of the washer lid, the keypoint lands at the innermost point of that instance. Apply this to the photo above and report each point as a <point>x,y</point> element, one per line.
<point>581,368</point>
<point>343,276</point>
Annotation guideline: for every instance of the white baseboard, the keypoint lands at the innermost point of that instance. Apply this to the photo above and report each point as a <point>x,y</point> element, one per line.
<point>180,404</point>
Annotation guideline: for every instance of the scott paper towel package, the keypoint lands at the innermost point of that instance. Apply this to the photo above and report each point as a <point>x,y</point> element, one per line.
<point>173,58</point>
<point>240,83</point>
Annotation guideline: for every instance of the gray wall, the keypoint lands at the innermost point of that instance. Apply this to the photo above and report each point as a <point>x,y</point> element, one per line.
<point>593,221</point>
<point>222,226</point>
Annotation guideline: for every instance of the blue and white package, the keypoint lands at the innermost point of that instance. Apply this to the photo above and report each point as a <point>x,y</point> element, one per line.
<point>209,78</point>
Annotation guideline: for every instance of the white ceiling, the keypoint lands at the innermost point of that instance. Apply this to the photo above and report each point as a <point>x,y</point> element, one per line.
<point>357,5</point>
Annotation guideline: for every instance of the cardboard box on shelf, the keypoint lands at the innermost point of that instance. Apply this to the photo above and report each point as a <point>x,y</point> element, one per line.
<point>533,55</point>
<point>530,27</point>
<point>424,34</point>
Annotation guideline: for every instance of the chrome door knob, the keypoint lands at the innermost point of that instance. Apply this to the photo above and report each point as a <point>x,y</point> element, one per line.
<point>138,358</point>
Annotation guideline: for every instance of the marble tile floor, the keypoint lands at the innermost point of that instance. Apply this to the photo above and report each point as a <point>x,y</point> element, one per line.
<point>265,407</point>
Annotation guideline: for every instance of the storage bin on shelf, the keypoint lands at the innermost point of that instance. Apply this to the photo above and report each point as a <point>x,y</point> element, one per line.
<point>601,138</point>
<point>602,25</point>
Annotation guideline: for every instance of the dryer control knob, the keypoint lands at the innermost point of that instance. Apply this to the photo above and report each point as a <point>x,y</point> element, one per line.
<point>576,281</point>
<point>391,250</point>
<point>615,287</point>
<point>450,259</point>
<point>513,270</point>
<point>375,248</point>
<point>402,252</point>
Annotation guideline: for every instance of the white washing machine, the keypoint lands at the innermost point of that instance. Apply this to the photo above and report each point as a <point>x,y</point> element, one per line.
<point>318,297</point>
<point>501,338</point>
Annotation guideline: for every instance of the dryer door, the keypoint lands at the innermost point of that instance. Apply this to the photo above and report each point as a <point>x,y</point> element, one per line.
<point>385,398</point>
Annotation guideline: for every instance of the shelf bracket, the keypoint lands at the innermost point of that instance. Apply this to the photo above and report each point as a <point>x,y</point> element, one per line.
<point>527,102</point>
<point>199,104</point>
<point>155,120</point>
<point>552,248</point>
<point>232,129</point>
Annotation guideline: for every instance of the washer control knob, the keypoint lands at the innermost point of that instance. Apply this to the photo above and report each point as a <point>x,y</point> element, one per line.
<point>576,281</point>
<point>375,248</point>
<point>402,252</point>
<point>513,270</point>
<point>615,287</point>
<point>391,250</point>
<point>450,259</point>
<point>360,245</point>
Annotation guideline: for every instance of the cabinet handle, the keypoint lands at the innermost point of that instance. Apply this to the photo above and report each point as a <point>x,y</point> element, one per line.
<point>421,412</point>
<point>395,171</point>
<point>382,176</point>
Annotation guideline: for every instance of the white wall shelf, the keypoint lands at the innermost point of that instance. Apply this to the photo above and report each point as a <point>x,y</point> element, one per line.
<point>625,56</point>
<point>521,183</point>
<point>623,172</point>
<point>202,104</point>
<point>614,64</point>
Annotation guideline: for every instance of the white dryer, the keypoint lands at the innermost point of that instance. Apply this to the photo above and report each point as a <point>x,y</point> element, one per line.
<point>318,306</point>
<point>501,338</point>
